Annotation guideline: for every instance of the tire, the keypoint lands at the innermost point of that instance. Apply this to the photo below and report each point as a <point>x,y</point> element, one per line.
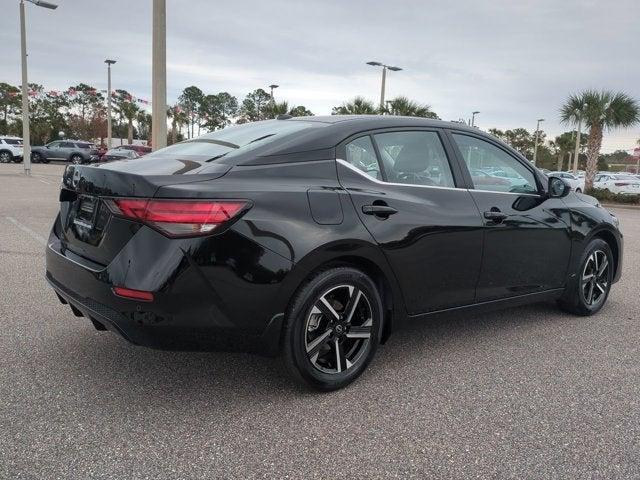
<point>318,326</point>
<point>76,158</point>
<point>578,190</point>
<point>6,156</point>
<point>586,297</point>
<point>37,158</point>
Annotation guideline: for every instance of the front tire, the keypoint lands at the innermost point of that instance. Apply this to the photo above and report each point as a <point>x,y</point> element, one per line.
<point>589,291</point>
<point>333,328</point>
<point>77,159</point>
<point>6,156</point>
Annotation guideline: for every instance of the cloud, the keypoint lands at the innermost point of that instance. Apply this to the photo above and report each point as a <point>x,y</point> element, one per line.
<point>513,61</point>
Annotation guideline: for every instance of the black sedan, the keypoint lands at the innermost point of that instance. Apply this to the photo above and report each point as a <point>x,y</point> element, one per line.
<point>311,237</point>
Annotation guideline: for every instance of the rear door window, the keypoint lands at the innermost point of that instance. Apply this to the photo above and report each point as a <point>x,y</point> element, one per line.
<point>415,158</point>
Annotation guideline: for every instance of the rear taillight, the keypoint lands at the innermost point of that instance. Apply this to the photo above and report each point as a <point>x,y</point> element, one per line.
<point>179,218</point>
<point>621,184</point>
<point>133,294</point>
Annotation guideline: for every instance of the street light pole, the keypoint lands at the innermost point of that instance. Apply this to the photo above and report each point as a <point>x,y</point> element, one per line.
<point>272,86</point>
<point>26,137</point>
<point>535,145</point>
<point>384,79</point>
<point>26,134</point>
<point>109,132</point>
<point>159,76</point>
<point>473,118</point>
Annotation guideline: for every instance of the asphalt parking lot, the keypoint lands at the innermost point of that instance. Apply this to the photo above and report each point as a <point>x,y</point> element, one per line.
<point>524,393</point>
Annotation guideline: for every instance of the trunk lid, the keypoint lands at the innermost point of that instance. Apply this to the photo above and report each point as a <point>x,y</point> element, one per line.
<point>87,227</point>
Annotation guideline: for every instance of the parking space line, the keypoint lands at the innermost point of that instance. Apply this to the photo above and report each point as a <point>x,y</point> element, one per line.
<point>35,235</point>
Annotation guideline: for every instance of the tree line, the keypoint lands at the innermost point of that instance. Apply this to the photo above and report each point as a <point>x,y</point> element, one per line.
<point>80,112</point>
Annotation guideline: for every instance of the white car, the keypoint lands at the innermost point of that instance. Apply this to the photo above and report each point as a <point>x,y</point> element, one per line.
<point>577,184</point>
<point>623,183</point>
<point>10,149</point>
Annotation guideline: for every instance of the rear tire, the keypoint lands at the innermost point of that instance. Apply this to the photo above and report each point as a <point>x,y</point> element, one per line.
<point>77,159</point>
<point>37,158</point>
<point>587,293</point>
<point>333,328</point>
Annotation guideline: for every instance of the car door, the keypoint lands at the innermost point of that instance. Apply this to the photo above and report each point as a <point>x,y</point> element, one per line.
<point>408,195</point>
<point>53,151</point>
<point>527,236</point>
<point>66,149</point>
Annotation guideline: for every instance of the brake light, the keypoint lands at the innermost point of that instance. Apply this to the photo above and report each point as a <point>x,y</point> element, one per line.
<point>133,294</point>
<point>179,218</point>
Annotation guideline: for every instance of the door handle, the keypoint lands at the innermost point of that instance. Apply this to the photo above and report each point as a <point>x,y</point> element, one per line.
<point>378,210</point>
<point>495,216</point>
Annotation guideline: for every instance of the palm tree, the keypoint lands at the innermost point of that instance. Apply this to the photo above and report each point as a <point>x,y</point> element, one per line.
<point>357,106</point>
<point>273,109</point>
<point>562,145</point>
<point>178,120</point>
<point>599,111</point>
<point>408,108</point>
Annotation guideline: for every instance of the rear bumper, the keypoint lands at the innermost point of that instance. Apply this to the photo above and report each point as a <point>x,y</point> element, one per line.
<point>192,309</point>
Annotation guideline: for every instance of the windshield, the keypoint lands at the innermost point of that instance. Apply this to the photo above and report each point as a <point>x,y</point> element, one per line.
<point>233,140</point>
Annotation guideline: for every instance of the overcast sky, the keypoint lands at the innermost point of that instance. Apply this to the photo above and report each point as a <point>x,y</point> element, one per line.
<point>515,61</point>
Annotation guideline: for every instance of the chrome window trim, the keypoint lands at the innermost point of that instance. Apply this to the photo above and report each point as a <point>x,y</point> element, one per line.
<point>458,189</point>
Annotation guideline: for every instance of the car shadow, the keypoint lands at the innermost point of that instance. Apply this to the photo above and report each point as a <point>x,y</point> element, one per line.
<point>124,369</point>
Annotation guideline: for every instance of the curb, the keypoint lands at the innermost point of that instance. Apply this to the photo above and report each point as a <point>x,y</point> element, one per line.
<point>621,205</point>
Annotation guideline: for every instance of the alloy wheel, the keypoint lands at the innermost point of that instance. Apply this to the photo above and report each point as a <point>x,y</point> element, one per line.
<point>595,278</point>
<point>5,157</point>
<point>338,329</point>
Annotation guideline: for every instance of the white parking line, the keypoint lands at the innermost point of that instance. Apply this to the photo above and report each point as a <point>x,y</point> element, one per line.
<point>40,179</point>
<point>35,235</point>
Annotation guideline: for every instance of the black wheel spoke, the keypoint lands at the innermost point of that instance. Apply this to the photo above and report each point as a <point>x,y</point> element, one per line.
<point>327,309</point>
<point>363,331</point>
<point>314,347</point>
<point>354,299</point>
<point>337,346</point>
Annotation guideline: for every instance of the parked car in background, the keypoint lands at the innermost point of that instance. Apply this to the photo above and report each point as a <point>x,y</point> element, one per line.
<point>480,177</point>
<point>119,154</point>
<point>139,149</point>
<point>10,149</point>
<point>315,236</point>
<point>622,183</point>
<point>74,151</point>
<point>577,184</point>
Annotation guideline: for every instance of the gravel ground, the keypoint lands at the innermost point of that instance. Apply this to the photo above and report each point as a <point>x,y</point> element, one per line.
<point>523,393</point>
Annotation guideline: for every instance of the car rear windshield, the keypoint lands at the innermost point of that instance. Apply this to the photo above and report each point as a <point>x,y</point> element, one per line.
<point>233,140</point>
<point>624,177</point>
<point>13,141</point>
<point>85,145</point>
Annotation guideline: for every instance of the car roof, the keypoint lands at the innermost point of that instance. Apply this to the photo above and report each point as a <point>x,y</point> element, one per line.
<point>336,128</point>
<point>10,137</point>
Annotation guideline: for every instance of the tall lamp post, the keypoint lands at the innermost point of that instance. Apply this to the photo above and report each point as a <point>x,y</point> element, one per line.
<point>473,118</point>
<point>272,87</point>
<point>109,63</point>
<point>577,150</point>
<point>535,145</point>
<point>26,136</point>
<point>384,78</point>
<point>159,76</point>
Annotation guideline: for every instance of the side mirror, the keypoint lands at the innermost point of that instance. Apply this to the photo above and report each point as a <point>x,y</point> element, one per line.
<point>558,188</point>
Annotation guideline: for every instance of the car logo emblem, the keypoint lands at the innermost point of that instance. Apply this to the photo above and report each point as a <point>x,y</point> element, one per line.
<point>76,178</point>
